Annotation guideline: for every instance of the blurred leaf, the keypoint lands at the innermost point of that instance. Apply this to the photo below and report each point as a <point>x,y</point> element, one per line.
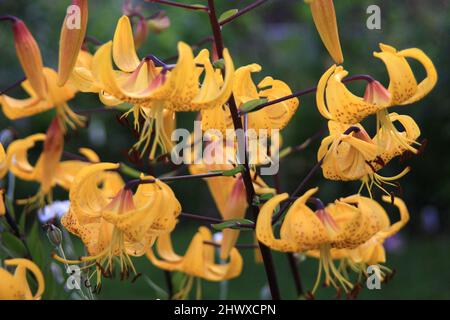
<point>14,245</point>
<point>219,64</point>
<point>232,172</point>
<point>232,224</point>
<point>227,14</point>
<point>160,292</point>
<point>252,104</point>
<point>178,281</point>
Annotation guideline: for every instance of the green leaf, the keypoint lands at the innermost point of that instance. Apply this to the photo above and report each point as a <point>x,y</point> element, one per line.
<point>232,172</point>
<point>227,14</point>
<point>266,196</point>
<point>160,292</point>
<point>232,224</point>
<point>201,6</point>
<point>252,104</point>
<point>14,245</point>
<point>219,64</point>
<point>179,280</point>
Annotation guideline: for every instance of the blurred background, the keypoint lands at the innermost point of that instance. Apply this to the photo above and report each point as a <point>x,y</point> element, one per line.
<point>281,36</point>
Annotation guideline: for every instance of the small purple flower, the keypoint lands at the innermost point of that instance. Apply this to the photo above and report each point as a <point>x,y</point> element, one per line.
<point>430,219</point>
<point>394,244</point>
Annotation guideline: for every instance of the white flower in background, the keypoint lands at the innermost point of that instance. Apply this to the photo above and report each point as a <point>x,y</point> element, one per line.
<point>55,210</point>
<point>217,237</point>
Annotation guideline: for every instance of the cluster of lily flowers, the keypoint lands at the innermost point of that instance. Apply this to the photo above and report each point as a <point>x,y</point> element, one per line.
<point>118,220</point>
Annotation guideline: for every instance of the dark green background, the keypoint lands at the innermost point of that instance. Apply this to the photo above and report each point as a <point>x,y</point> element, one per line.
<point>282,38</point>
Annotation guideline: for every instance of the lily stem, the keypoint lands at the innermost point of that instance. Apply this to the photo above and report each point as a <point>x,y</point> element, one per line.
<point>179,5</point>
<point>265,251</point>
<point>12,86</point>
<point>132,183</point>
<point>305,92</point>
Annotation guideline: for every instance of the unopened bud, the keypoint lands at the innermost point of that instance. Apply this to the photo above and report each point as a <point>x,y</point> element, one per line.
<point>159,23</point>
<point>54,235</point>
<point>30,57</point>
<point>71,39</point>
<point>324,18</point>
<point>141,33</point>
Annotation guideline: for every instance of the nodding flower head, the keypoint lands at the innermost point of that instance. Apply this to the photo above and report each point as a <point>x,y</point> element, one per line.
<point>346,223</point>
<point>113,222</point>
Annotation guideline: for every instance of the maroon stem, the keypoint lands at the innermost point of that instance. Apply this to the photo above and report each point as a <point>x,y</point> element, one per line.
<point>265,252</point>
<point>179,5</point>
<point>132,183</point>
<point>306,91</point>
<point>15,84</point>
<point>240,246</point>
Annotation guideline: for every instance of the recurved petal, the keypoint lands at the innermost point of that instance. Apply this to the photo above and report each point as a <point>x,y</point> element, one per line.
<point>302,226</point>
<point>20,108</point>
<point>402,83</point>
<point>17,155</point>
<point>404,217</point>
<point>264,230</point>
<point>427,84</point>
<point>343,105</point>
<point>181,87</point>
<point>20,275</point>
<point>214,93</point>
<point>87,199</point>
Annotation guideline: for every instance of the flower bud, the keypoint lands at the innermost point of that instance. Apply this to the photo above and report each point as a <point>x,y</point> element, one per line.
<point>72,36</point>
<point>159,23</point>
<point>141,33</point>
<point>30,57</point>
<point>324,18</point>
<point>53,148</point>
<point>54,235</point>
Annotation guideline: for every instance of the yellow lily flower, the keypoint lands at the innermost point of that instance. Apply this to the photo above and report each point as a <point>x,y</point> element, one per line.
<point>275,116</point>
<point>15,286</point>
<point>153,89</point>
<point>83,78</point>
<point>324,18</point>
<point>344,224</point>
<point>372,251</point>
<point>228,193</point>
<point>3,162</point>
<point>70,42</point>
<point>336,102</point>
<point>113,222</point>
<point>48,170</point>
<point>55,97</point>
<point>2,203</point>
<point>198,261</point>
<point>350,154</point>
